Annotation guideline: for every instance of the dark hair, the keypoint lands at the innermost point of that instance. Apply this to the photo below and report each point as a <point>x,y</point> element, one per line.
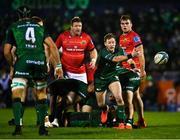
<point>37,19</point>
<point>109,36</point>
<point>23,12</point>
<point>125,17</point>
<point>75,19</point>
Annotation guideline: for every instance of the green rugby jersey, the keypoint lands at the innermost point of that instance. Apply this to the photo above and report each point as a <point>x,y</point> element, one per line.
<point>28,37</point>
<point>106,68</point>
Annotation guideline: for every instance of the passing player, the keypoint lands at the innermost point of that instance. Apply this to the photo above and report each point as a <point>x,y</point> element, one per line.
<point>106,78</point>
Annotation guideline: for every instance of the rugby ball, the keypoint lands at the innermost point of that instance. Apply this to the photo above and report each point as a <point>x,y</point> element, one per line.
<point>161,58</point>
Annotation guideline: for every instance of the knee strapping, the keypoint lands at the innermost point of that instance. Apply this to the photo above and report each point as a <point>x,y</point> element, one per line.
<point>18,83</point>
<point>41,85</point>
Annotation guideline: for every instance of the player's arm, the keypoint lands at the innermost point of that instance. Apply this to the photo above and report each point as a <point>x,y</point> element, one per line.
<point>55,58</point>
<point>121,58</point>
<point>9,42</point>
<point>93,57</point>
<point>141,60</point>
<point>7,53</point>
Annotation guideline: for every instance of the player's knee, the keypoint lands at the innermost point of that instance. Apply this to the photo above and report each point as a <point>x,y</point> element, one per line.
<point>119,100</point>
<point>41,90</point>
<point>101,104</point>
<point>41,94</point>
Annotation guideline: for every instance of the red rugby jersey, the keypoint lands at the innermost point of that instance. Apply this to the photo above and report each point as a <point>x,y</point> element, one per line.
<point>128,42</point>
<point>73,51</point>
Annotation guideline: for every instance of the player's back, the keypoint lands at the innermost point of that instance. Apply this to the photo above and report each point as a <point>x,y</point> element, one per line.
<point>28,36</point>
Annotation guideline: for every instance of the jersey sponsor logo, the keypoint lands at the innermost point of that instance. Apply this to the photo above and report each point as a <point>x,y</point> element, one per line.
<point>136,39</point>
<point>21,73</point>
<point>35,62</point>
<point>75,49</point>
<point>134,79</point>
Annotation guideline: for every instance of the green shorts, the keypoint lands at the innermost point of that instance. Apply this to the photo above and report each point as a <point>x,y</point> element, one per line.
<point>102,84</point>
<point>30,69</point>
<point>129,81</point>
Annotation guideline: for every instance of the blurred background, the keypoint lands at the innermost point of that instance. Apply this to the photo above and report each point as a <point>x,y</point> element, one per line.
<point>157,23</point>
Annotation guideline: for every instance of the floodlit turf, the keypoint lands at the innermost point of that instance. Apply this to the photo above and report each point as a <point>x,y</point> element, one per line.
<point>161,125</point>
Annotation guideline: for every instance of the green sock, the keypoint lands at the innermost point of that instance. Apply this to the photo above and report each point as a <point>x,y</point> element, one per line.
<point>17,108</point>
<point>120,114</point>
<point>37,113</point>
<point>22,113</point>
<point>43,107</point>
<point>22,109</point>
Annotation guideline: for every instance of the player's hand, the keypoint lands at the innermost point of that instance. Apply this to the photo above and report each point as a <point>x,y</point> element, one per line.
<point>58,73</point>
<point>92,64</point>
<point>143,75</point>
<point>135,53</point>
<point>90,88</point>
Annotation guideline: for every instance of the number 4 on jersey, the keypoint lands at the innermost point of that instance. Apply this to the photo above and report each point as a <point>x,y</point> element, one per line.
<point>30,36</point>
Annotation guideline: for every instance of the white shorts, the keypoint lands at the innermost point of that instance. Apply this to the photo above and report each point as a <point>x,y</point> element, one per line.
<point>81,77</point>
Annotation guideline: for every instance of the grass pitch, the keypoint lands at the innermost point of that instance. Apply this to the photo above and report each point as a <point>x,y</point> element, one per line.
<point>161,125</point>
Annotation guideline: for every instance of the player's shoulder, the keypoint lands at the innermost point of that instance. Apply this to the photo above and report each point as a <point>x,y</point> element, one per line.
<point>65,33</point>
<point>85,35</point>
<point>133,33</point>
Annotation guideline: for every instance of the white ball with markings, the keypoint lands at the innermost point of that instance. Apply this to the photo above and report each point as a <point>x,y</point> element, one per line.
<point>161,58</point>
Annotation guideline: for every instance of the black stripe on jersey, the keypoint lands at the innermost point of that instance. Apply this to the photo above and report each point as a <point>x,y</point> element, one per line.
<point>138,45</point>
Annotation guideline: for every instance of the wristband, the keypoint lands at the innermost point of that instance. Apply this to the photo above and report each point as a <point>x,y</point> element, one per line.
<point>59,65</point>
<point>129,56</point>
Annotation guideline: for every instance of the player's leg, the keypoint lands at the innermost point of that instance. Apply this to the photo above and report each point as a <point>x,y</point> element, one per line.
<point>100,97</point>
<point>62,103</point>
<point>131,85</point>
<point>42,104</point>
<point>115,88</point>
<point>129,117</point>
<point>18,87</point>
<point>140,109</point>
<point>91,102</point>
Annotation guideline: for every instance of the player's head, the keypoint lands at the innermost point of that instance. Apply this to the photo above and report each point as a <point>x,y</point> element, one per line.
<point>23,12</point>
<point>110,42</point>
<point>37,20</point>
<point>126,23</point>
<point>76,26</point>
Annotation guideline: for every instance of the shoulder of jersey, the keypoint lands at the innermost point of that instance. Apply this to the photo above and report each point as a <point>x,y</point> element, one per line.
<point>85,34</point>
<point>65,33</point>
<point>134,33</point>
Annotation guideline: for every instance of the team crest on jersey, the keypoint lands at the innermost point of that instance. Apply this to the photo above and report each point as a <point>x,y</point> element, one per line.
<point>83,42</point>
